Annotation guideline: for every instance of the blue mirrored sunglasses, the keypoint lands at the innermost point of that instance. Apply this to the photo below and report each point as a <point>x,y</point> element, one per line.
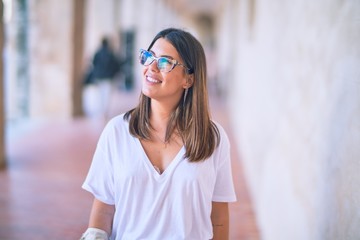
<point>164,64</point>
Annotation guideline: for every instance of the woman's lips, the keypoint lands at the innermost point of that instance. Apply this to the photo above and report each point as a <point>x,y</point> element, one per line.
<point>152,80</point>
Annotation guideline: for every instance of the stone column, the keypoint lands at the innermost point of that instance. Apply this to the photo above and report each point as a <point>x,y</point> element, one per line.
<point>2,110</point>
<point>78,52</point>
<point>22,59</point>
<point>51,47</point>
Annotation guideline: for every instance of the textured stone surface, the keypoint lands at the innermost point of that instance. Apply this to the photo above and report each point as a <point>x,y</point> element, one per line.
<point>295,100</point>
<point>51,51</point>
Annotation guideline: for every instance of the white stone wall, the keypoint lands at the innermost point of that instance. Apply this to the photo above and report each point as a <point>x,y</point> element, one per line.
<point>50,50</point>
<point>295,108</point>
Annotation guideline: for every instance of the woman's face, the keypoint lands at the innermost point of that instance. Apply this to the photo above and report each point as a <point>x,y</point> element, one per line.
<point>162,86</point>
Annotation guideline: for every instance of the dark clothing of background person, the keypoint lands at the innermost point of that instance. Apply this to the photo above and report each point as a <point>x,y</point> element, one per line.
<point>105,63</point>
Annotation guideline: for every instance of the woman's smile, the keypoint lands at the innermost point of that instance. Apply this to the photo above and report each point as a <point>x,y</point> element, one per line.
<point>152,80</point>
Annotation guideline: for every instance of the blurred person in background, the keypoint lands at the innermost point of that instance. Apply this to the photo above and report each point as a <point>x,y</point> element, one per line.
<point>162,170</point>
<point>105,65</point>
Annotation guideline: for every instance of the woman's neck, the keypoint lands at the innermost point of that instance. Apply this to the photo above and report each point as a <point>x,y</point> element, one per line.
<point>160,114</point>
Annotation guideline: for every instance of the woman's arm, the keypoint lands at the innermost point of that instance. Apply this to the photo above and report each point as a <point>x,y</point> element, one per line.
<point>101,216</point>
<point>220,220</point>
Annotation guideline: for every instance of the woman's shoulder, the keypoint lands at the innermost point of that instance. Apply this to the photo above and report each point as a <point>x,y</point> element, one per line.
<point>220,128</point>
<point>118,122</point>
<point>118,119</point>
<point>223,136</point>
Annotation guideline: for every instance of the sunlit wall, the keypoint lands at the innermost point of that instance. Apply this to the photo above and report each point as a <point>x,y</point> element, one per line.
<point>295,106</point>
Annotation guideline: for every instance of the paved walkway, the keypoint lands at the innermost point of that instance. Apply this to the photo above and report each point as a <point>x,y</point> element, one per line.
<point>41,196</point>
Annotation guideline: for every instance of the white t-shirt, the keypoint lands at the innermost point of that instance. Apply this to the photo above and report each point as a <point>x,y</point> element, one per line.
<point>173,205</point>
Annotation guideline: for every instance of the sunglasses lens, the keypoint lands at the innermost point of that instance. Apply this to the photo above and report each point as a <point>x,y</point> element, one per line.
<point>146,58</point>
<point>164,64</point>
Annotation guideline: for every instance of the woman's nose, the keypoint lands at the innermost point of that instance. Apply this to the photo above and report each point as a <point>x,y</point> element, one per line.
<point>153,66</point>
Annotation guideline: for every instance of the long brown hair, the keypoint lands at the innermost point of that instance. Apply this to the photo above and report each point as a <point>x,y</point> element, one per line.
<point>191,118</point>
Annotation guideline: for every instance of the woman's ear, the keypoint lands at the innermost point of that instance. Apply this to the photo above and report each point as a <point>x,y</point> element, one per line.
<point>189,81</point>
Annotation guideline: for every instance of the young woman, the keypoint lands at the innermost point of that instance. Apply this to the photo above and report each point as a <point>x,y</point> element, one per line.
<point>162,170</point>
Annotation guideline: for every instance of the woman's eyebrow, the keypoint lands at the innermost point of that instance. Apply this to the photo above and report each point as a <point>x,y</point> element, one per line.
<point>167,56</point>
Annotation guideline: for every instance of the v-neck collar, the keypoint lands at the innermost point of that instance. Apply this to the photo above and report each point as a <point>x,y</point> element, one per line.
<point>169,169</point>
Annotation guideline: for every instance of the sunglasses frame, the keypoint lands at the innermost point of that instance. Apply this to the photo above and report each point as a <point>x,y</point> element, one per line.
<point>173,61</point>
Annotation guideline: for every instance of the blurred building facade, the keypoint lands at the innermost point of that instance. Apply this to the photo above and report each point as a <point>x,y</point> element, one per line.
<point>289,73</point>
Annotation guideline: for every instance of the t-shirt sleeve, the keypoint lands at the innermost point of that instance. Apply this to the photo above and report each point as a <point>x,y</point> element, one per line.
<point>100,179</point>
<point>224,186</point>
